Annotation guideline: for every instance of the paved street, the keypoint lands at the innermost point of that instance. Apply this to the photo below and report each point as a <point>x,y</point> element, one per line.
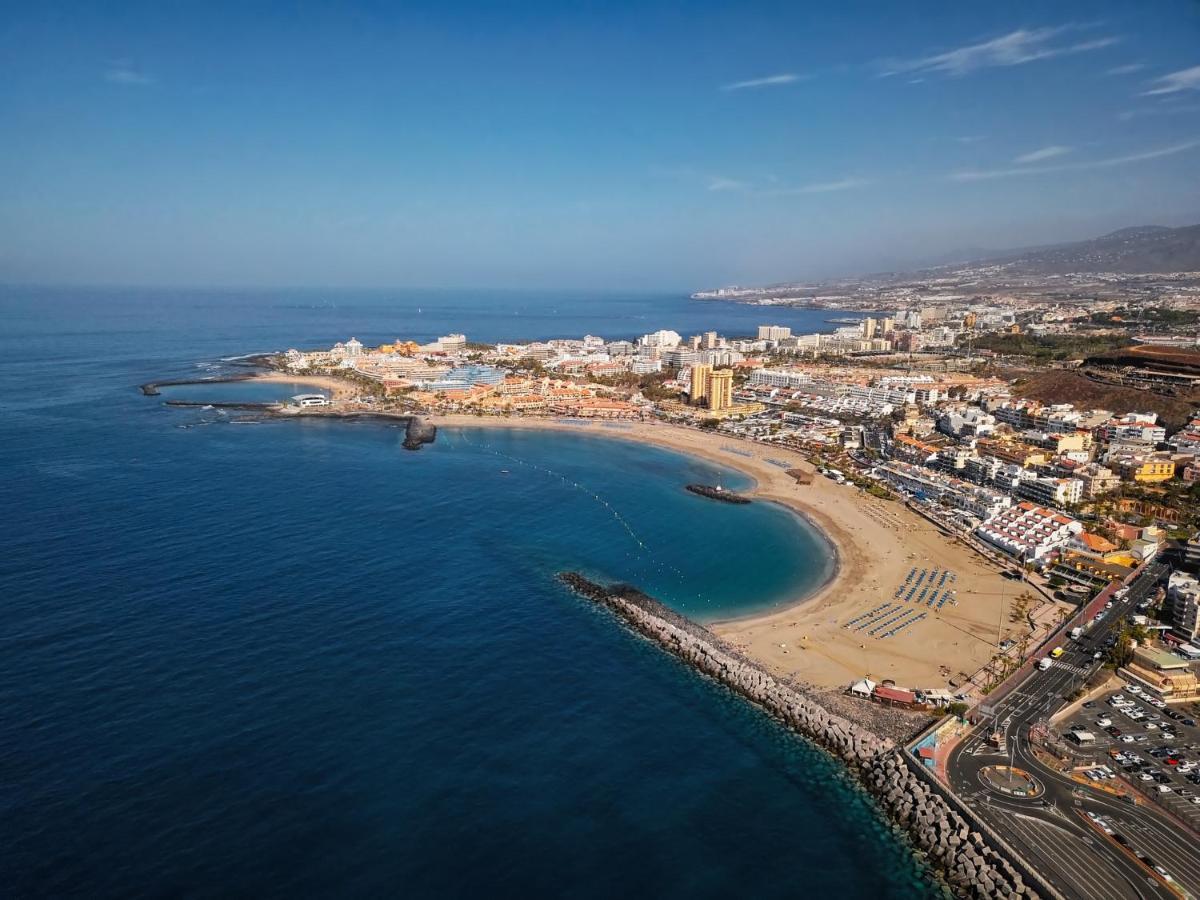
<point>1054,831</point>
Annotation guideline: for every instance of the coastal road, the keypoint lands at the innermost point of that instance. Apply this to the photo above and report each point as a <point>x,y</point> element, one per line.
<point>1053,831</point>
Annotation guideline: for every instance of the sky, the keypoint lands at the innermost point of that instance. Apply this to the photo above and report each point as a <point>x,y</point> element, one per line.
<point>624,145</point>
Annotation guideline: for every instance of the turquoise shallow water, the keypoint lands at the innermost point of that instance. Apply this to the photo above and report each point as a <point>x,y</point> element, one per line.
<point>291,658</point>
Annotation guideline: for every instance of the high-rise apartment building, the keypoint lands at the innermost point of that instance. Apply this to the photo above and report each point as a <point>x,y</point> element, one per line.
<point>774,332</point>
<point>720,389</point>
<point>700,380</point>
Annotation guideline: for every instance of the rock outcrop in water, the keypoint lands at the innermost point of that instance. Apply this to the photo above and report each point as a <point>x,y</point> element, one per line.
<point>970,863</point>
<point>418,432</point>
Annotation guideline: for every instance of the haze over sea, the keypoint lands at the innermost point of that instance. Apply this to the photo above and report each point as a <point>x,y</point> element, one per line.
<point>290,658</point>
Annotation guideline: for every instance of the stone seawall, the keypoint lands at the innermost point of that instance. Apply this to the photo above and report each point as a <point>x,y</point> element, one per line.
<point>961,855</point>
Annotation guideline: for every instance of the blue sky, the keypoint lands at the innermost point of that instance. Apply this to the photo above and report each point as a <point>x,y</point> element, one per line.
<point>575,144</point>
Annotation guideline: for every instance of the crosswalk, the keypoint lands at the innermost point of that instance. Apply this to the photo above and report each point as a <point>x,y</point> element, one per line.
<point>1077,670</point>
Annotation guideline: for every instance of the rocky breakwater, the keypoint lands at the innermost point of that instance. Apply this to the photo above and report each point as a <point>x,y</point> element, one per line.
<point>958,853</point>
<point>418,432</point>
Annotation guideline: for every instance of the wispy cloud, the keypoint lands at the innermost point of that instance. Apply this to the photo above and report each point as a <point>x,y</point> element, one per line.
<point>821,187</point>
<point>1158,110</point>
<point>1042,154</point>
<point>986,174</point>
<point>123,71</point>
<point>969,138</point>
<point>762,185</point>
<point>768,81</point>
<point>1183,80</point>
<point>720,183</point>
<point>1013,49</point>
<point>1127,69</point>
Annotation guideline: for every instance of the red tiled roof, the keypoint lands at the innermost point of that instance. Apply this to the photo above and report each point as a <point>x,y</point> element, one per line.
<point>896,694</point>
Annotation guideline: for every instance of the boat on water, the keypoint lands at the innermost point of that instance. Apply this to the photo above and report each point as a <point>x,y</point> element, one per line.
<point>716,492</point>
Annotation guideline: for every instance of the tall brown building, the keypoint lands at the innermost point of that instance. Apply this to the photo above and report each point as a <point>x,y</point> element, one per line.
<point>700,378</point>
<point>720,389</point>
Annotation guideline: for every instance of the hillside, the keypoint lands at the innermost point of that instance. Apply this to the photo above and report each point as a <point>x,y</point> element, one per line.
<point>1060,386</point>
<point>1169,359</point>
<point>1129,251</point>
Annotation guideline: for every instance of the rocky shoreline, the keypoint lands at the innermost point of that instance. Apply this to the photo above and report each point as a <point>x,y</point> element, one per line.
<point>970,863</point>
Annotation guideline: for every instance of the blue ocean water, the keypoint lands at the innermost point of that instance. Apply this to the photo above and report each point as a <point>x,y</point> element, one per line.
<point>290,658</point>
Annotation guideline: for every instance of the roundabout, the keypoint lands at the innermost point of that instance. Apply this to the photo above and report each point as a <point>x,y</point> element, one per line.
<point>1011,782</point>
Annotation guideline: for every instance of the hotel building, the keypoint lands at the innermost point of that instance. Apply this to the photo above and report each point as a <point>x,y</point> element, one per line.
<point>1029,532</point>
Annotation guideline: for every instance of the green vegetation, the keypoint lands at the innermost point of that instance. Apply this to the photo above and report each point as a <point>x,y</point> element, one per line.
<point>1121,653</point>
<point>1149,315</point>
<point>1051,346</point>
<point>532,366</point>
<point>652,385</point>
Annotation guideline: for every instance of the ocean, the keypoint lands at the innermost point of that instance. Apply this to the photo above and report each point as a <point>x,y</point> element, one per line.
<point>273,659</point>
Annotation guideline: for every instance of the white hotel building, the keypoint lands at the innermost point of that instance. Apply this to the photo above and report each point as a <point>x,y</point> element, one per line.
<point>781,378</point>
<point>1029,532</point>
<point>981,502</point>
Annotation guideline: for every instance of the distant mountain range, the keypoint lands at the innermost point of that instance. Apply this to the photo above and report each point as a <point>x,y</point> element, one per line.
<point>1130,251</point>
<point>1146,249</point>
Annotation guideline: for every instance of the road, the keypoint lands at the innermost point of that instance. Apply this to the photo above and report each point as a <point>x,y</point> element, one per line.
<point>1053,831</point>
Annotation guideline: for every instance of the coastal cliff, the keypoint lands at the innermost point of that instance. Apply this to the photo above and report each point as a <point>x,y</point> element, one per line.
<point>969,863</point>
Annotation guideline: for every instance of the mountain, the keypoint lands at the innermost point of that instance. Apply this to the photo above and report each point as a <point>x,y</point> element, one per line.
<point>1144,249</point>
<point>1147,248</point>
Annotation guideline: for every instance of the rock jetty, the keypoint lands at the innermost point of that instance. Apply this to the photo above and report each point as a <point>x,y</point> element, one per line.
<point>716,492</point>
<point>970,864</point>
<point>418,432</point>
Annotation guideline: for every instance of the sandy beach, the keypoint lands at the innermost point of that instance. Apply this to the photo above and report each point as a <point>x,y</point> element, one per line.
<point>878,542</point>
<point>338,388</point>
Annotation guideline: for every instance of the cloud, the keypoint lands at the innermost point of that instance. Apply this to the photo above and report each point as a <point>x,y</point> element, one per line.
<point>768,81</point>
<point>1013,49</point>
<point>822,187</point>
<point>970,138</point>
<point>123,71</point>
<point>720,183</point>
<point>1040,155</point>
<point>1127,69</point>
<point>1183,80</point>
<point>1142,156</point>
<point>1163,110</point>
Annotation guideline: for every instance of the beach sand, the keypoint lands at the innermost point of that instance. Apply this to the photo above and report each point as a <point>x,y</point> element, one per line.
<point>877,542</point>
<point>338,388</point>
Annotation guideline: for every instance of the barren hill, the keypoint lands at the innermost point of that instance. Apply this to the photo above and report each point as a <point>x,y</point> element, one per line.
<point>1059,386</point>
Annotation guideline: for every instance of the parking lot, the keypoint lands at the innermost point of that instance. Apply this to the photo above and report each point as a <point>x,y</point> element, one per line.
<point>1153,746</point>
